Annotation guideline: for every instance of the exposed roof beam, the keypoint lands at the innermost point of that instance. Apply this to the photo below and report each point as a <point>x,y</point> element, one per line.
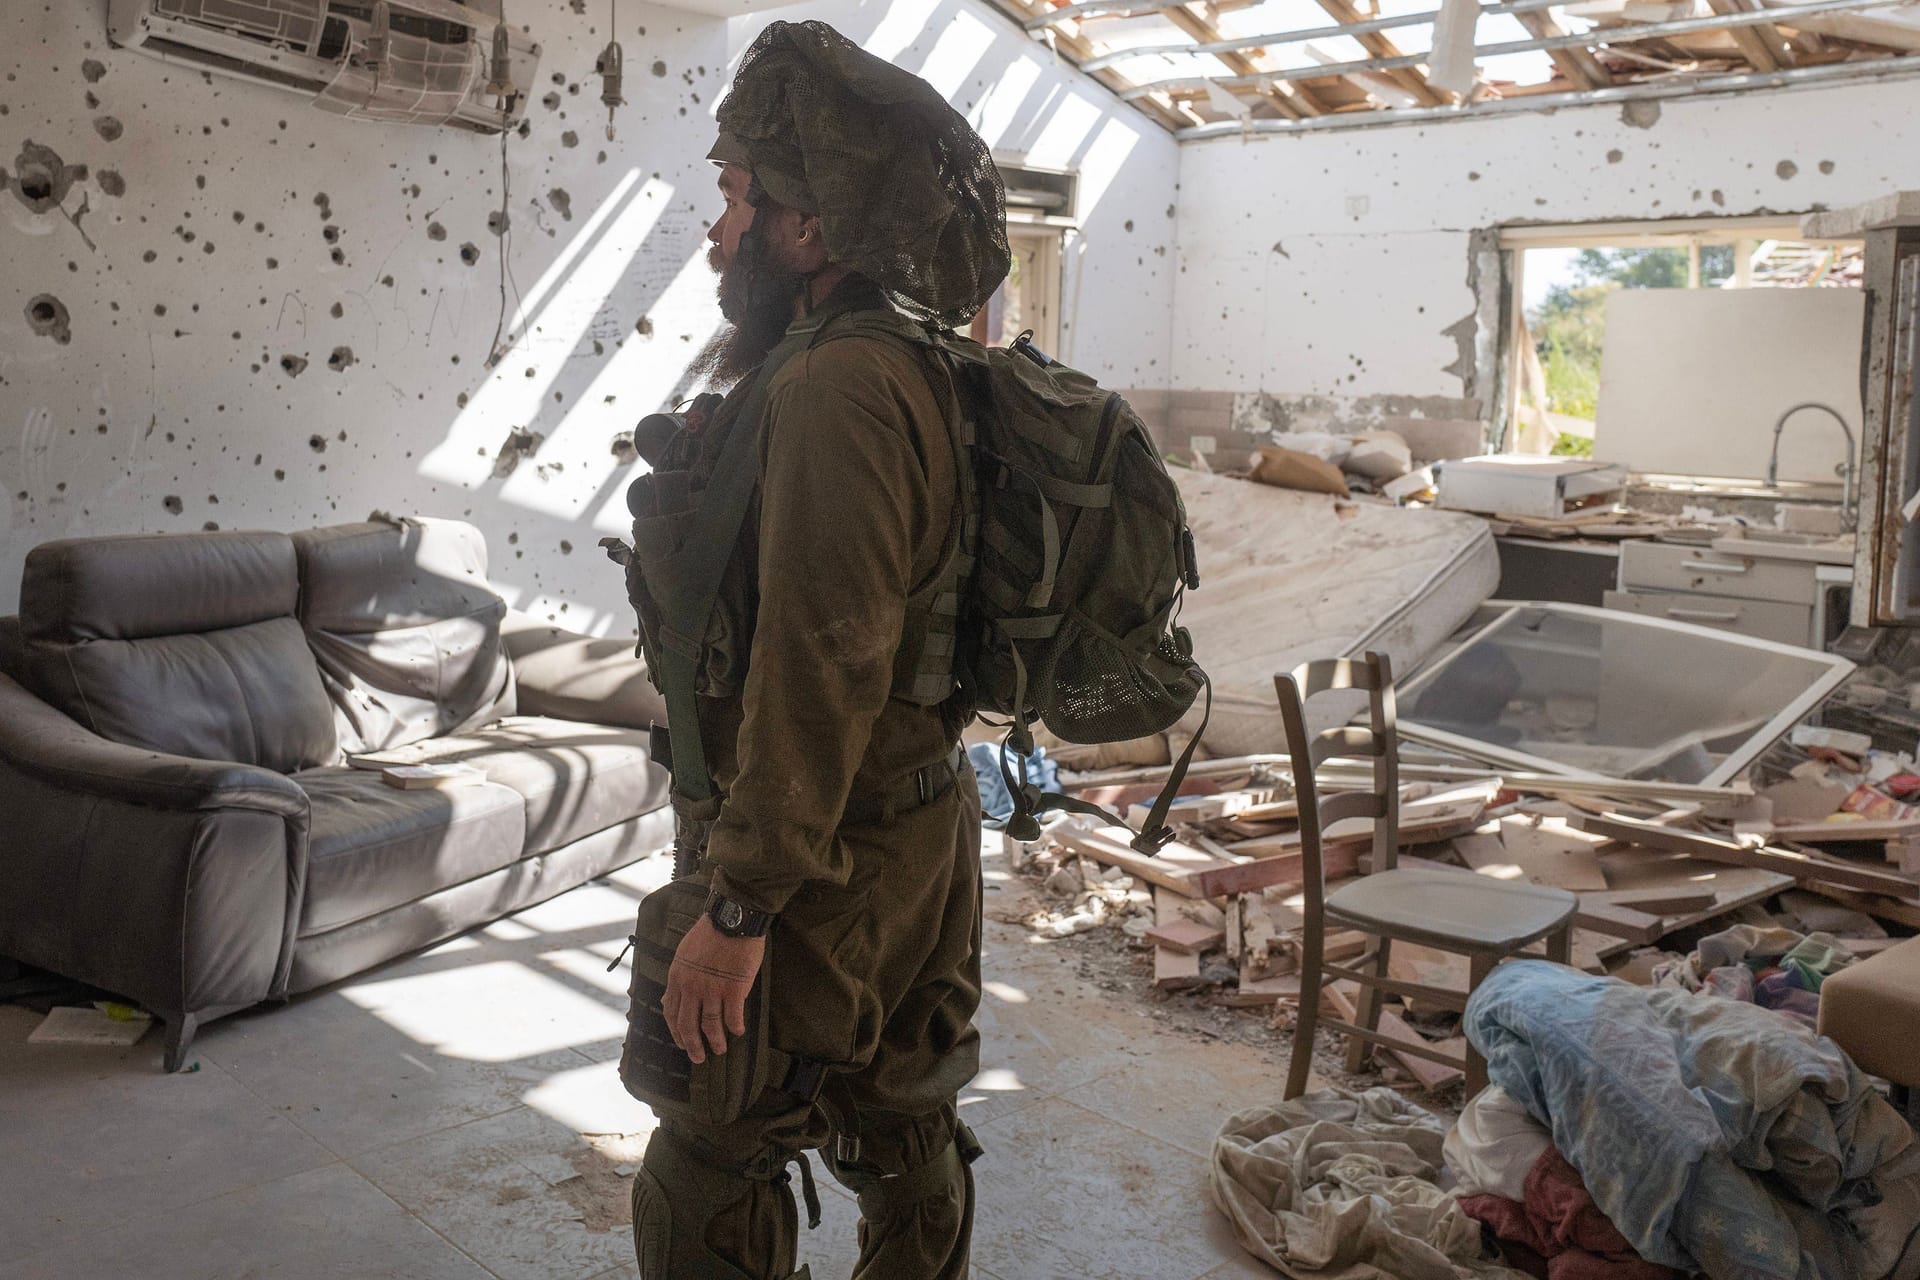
<point>1578,65</point>
<point>1584,40</point>
<point>1763,46</point>
<point>1703,86</point>
<point>1292,101</point>
<point>1407,75</point>
<point>1080,51</point>
<point>1270,39</point>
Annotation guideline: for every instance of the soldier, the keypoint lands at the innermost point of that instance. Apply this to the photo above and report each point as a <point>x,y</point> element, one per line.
<point>843,846</point>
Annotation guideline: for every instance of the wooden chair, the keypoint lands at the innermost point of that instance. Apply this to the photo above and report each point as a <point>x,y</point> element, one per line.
<point>1485,920</point>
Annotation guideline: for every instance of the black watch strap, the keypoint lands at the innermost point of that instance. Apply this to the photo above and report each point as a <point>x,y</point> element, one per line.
<point>737,921</point>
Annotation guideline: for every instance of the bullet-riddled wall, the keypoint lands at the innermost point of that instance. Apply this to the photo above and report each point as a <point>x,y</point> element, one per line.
<point>1351,277</point>
<point>220,306</point>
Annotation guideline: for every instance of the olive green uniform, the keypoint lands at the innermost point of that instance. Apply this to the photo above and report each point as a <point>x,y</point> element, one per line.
<point>874,957</point>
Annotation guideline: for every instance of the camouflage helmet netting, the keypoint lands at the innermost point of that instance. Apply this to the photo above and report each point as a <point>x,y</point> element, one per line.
<point>907,192</point>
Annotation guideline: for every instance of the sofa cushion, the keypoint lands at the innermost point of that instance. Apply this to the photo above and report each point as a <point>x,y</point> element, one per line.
<point>374,847</point>
<point>1872,1010</point>
<point>182,643</point>
<point>575,779</point>
<point>406,629</point>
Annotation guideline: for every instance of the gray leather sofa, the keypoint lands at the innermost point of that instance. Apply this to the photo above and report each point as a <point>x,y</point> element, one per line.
<point>180,826</point>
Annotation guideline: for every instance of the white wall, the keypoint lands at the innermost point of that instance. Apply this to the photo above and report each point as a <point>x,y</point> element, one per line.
<point>1337,264</point>
<point>170,409</point>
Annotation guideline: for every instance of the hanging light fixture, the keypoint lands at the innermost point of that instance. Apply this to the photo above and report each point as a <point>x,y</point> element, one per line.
<point>612,67</point>
<point>500,69</point>
<point>379,33</point>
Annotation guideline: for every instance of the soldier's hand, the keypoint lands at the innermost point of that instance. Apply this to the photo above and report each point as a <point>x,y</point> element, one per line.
<point>707,986</point>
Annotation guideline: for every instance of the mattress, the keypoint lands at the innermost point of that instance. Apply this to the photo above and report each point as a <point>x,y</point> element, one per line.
<point>1286,577</point>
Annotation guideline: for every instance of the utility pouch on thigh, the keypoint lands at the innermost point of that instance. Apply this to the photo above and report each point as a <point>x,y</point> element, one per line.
<point>652,1067</point>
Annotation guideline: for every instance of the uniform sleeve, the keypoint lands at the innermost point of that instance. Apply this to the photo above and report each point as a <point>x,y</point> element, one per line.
<point>842,493</point>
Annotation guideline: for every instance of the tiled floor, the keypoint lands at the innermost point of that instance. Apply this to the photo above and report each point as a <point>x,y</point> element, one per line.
<point>457,1115</point>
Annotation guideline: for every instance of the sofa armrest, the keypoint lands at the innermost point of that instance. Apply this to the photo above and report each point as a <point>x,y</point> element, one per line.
<point>569,676</point>
<point>174,882</point>
<point>44,743</point>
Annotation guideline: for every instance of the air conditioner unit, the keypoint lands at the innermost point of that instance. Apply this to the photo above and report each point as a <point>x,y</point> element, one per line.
<point>433,66</point>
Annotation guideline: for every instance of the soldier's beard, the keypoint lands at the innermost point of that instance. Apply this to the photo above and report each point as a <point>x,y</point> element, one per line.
<point>756,299</point>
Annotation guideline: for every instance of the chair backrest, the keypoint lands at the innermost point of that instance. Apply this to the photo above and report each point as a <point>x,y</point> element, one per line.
<point>1373,742</point>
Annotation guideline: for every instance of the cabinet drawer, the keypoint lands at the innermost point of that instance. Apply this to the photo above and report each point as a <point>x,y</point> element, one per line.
<point>1668,567</point>
<point>1761,619</point>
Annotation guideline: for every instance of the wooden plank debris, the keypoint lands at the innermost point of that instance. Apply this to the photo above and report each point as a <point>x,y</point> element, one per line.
<point>1800,866</point>
<point>1187,936</point>
<point>1172,970</point>
<point>1338,1001</point>
<point>1659,902</point>
<point>1619,922</point>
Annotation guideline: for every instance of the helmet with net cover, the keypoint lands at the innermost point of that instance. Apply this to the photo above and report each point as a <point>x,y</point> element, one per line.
<point>906,192</point>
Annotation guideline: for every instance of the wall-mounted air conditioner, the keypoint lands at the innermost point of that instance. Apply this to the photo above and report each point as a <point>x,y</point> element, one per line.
<point>413,61</point>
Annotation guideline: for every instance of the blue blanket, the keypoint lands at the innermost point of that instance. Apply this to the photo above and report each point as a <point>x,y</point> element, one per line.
<point>1716,1136</point>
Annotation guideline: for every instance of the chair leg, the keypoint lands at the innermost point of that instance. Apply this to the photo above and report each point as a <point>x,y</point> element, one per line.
<point>1300,1065</point>
<point>1478,967</point>
<point>1560,945</point>
<point>1368,1010</point>
<point>180,1029</point>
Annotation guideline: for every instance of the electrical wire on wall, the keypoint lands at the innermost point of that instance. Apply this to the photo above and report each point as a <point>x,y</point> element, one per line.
<point>501,82</point>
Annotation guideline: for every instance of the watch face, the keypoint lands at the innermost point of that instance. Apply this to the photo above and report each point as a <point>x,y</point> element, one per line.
<point>728,915</point>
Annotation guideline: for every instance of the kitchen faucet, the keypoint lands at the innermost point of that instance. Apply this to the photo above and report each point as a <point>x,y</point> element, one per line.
<point>1845,470</point>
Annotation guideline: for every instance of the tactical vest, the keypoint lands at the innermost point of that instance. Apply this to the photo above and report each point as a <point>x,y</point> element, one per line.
<point>693,588</point>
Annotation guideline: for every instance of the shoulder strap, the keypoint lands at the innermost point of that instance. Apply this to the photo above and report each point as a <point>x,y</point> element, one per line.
<point>687,599</point>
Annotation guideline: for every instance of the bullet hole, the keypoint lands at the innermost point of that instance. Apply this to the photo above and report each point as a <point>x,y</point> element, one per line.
<point>1826,166</point>
<point>293,365</point>
<point>339,257</point>
<point>1640,115</point>
<point>211,526</point>
<point>159,308</point>
<point>330,233</point>
<point>462,399</point>
<point>273,264</point>
<point>149,256</point>
<point>317,443</point>
<point>470,253</point>
<point>324,205</point>
<point>341,359</point>
<point>660,70</point>
<point>93,100</point>
<point>41,179</point>
<point>601,158</point>
<point>574,89</point>
<point>526,129</point>
<point>1720,198</point>
<point>94,70</point>
<point>173,505</point>
<point>520,443</point>
<point>47,316</point>
<point>1473,175</point>
<point>108,128</point>
<point>1786,170</point>
<point>566,548</point>
<point>644,326</point>
<point>562,201</point>
<point>336,311</point>
<point>1616,156</point>
<point>569,139</point>
<point>498,222</point>
<point>200,181</point>
<point>213,499</point>
<point>436,232</point>
<point>279,474</point>
<point>414,191</point>
<point>387,281</point>
<point>551,102</point>
<point>578,6</point>
<point>1129,224</point>
<point>624,450</point>
<point>207,247</point>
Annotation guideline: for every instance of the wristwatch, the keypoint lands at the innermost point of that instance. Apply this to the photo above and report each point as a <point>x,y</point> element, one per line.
<point>736,921</point>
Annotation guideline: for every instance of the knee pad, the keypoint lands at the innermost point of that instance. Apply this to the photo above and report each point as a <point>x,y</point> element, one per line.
<point>883,1196</point>
<point>677,1193</point>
